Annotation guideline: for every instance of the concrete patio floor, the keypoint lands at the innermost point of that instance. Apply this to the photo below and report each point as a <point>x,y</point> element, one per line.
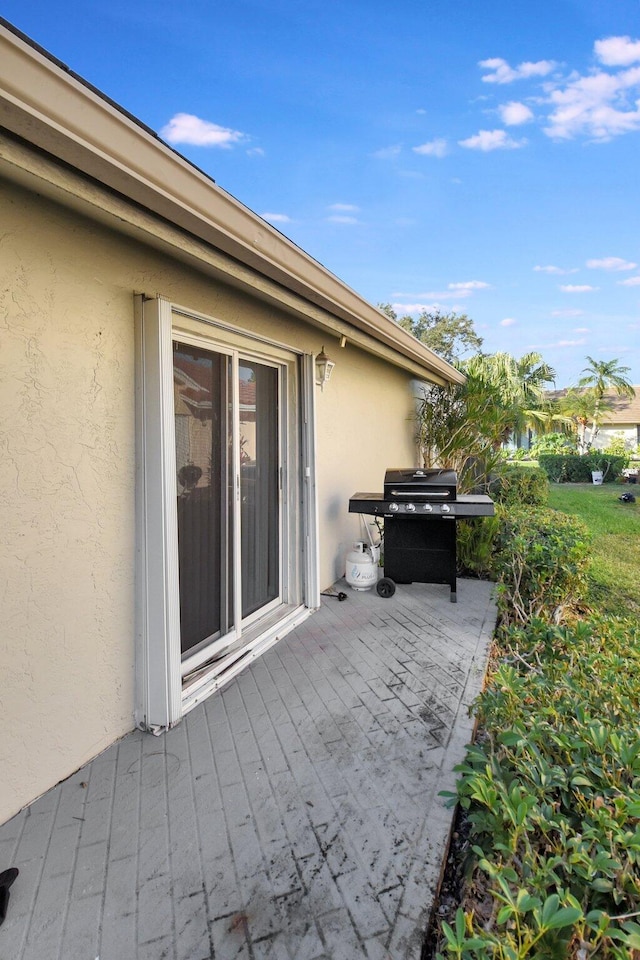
<point>294,815</point>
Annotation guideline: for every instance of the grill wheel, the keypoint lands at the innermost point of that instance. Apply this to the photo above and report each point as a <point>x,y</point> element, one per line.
<point>385,587</point>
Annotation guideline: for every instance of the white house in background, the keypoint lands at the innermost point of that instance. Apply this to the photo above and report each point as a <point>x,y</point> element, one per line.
<point>623,420</point>
<point>175,485</point>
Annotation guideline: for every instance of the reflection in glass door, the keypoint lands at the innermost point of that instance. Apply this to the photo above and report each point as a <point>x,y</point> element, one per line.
<point>222,434</point>
<point>259,493</point>
<point>205,484</point>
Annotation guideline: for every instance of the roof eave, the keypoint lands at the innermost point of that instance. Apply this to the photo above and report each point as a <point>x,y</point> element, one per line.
<point>51,108</point>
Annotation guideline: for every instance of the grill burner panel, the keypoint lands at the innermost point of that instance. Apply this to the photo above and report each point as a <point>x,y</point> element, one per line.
<point>418,507</point>
<point>465,505</point>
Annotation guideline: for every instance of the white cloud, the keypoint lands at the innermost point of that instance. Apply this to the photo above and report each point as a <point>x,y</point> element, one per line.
<point>276,217</point>
<point>187,128</point>
<point>567,313</point>
<point>617,51</point>
<point>577,288</point>
<point>501,72</point>
<point>611,263</point>
<point>630,282</point>
<point>581,329</point>
<point>468,285</point>
<point>555,270</point>
<point>388,153</point>
<point>513,113</point>
<point>343,207</point>
<point>454,291</point>
<point>255,152</point>
<point>435,295</point>
<point>507,322</point>
<point>596,105</point>
<point>338,218</point>
<point>434,148</point>
<point>403,308</point>
<point>557,343</point>
<point>486,140</point>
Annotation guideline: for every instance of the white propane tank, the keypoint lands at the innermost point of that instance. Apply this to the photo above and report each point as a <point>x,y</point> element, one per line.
<point>362,567</point>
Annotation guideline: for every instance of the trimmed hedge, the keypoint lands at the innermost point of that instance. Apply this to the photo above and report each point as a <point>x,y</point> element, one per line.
<point>553,799</point>
<point>573,468</point>
<point>551,789</point>
<point>514,486</point>
<point>520,485</point>
<point>541,562</point>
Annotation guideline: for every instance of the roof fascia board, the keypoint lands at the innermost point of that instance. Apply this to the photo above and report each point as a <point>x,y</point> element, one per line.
<point>35,171</point>
<point>56,111</point>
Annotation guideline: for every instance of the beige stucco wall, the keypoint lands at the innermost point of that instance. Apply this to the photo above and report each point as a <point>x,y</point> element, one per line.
<point>67,471</point>
<point>607,435</point>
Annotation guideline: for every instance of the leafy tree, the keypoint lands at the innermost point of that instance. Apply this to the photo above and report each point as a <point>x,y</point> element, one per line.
<point>464,426</point>
<point>580,407</point>
<point>460,427</point>
<point>450,335</point>
<point>519,380</point>
<point>520,384</point>
<point>603,376</point>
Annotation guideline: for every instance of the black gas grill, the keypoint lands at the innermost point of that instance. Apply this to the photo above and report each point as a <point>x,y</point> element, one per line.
<point>420,508</point>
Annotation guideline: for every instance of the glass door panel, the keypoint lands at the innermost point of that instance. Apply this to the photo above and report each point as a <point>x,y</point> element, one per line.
<point>223,433</point>
<point>259,484</point>
<point>204,493</point>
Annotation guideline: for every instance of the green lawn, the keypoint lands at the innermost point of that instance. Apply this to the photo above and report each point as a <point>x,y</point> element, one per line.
<point>615,527</point>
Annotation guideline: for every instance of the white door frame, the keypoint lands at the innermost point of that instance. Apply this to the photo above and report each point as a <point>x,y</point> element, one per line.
<point>161,700</point>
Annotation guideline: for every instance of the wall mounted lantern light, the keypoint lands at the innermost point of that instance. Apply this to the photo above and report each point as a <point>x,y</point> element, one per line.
<point>324,369</point>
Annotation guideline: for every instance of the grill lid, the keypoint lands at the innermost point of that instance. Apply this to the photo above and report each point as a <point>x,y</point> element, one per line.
<point>420,484</point>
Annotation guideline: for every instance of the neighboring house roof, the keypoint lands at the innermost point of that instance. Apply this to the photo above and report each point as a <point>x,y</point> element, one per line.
<point>624,410</point>
<point>51,108</point>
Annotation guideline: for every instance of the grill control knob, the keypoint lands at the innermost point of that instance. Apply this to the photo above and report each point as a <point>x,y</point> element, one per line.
<point>428,508</point>
<point>446,508</point>
<point>410,508</point>
<point>393,507</point>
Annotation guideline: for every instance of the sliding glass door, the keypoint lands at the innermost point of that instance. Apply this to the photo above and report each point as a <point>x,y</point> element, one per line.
<point>259,486</point>
<point>227,508</point>
<point>229,505</point>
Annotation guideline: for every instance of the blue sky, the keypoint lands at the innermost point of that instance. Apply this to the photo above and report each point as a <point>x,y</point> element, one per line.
<point>475,156</point>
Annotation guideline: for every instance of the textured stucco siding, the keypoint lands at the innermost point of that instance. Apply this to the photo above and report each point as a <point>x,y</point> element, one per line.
<point>67,487</point>
<point>606,435</point>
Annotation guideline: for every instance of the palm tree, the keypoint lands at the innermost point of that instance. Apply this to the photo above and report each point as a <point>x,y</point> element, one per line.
<point>580,406</point>
<point>603,376</point>
<point>520,384</point>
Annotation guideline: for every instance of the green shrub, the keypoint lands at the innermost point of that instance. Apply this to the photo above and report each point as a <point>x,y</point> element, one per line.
<point>573,468</point>
<point>540,562</point>
<point>518,454</point>
<point>553,797</point>
<point>520,485</point>
<point>475,545</point>
<point>552,443</point>
<point>617,447</point>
